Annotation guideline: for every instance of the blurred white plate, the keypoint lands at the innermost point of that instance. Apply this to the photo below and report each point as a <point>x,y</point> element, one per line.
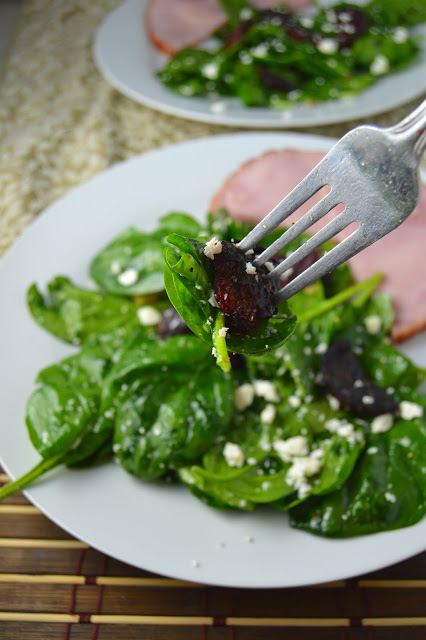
<point>159,528</point>
<point>126,58</point>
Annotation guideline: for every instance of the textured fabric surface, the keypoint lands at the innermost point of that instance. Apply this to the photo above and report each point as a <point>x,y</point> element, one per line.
<point>61,122</point>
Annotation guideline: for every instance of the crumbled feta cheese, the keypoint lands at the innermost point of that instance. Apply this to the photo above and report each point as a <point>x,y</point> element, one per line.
<point>269,265</point>
<point>333,402</point>
<point>213,302</point>
<point>328,46</point>
<point>409,410</point>
<point>294,447</point>
<point>250,268</point>
<point>358,384</point>
<point>294,401</point>
<point>300,470</point>
<point>246,13</point>
<point>287,274</point>
<point>344,429</point>
<point>195,564</point>
<point>321,348</point>
<point>372,450</point>
<point>148,316</point>
<point>400,35</point>
<point>260,51</point>
<point>390,497</point>
<point>223,331</point>
<point>268,414</point>
<point>380,65</point>
<point>210,70</point>
<point>128,277</point>
<point>233,454</point>
<point>267,390</point>
<point>244,396</point>
<point>212,248</point>
<point>367,400</point>
<point>382,423</point>
<point>373,324</point>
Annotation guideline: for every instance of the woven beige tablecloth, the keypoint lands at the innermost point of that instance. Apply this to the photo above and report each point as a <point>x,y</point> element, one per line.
<point>61,122</point>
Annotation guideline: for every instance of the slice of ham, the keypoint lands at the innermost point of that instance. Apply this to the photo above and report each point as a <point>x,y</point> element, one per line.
<point>175,24</point>
<point>259,184</point>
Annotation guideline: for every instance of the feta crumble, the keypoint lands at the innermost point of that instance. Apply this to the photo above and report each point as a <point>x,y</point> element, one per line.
<point>268,414</point>
<point>410,410</point>
<point>294,447</point>
<point>210,70</point>
<point>328,46</point>
<point>380,65</point>
<point>250,268</point>
<point>266,390</point>
<point>233,454</point>
<point>382,423</point>
<point>223,331</point>
<point>373,324</point>
<point>244,396</point>
<point>148,316</point>
<point>294,401</point>
<point>128,277</point>
<point>212,248</point>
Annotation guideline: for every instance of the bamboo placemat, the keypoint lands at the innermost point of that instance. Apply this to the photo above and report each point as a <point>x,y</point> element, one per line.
<point>61,123</point>
<point>54,586</point>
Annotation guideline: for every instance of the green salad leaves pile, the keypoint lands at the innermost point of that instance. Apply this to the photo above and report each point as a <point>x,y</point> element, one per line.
<point>275,58</point>
<point>260,428</point>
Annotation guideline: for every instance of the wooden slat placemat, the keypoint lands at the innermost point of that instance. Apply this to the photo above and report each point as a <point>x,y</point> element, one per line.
<point>61,123</point>
<point>54,586</point>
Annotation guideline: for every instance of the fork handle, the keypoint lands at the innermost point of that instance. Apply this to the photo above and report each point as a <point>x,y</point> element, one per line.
<point>413,129</point>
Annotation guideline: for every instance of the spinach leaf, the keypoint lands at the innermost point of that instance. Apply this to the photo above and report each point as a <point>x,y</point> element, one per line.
<point>387,489</point>
<point>168,410</point>
<point>188,281</point>
<point>139,256</point>
<point>74,314</point>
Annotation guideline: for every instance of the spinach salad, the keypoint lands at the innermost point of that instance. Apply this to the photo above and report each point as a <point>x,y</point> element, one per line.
<point>320,417</point>
<point>276,58</point>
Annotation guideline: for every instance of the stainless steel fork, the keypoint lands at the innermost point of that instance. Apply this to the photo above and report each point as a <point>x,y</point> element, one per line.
<point>374,172</point>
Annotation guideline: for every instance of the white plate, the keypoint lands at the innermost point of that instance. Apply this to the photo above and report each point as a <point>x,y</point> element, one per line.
<point>160,528</point>
<point>124,55</point>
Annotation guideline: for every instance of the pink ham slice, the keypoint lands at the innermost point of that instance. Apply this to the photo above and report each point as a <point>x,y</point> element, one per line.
<point>175,24</point>
<point>259,184</point>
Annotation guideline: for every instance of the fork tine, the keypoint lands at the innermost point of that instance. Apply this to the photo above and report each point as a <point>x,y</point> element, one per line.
<point>329,261</point>
<point>317,212</point>
<point>312,183</point>
<point>341,221</point>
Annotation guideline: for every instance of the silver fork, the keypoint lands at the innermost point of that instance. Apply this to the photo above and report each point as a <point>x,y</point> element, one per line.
<point>374,172</point>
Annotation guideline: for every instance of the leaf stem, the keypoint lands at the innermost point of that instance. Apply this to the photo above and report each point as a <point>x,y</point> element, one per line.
<point>219,343</point>
<point>364,288</point>
<point>28,478</point>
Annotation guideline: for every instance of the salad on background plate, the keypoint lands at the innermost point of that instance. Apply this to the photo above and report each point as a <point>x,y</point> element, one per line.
<point>308,410</point>
<point>252,64</point>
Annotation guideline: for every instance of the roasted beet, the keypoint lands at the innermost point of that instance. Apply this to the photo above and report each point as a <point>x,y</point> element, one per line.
<point>237,34</point>
<point>171,324</point>
<point>274,82</point>
<point>245,298</point>
<point>344,377</point>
